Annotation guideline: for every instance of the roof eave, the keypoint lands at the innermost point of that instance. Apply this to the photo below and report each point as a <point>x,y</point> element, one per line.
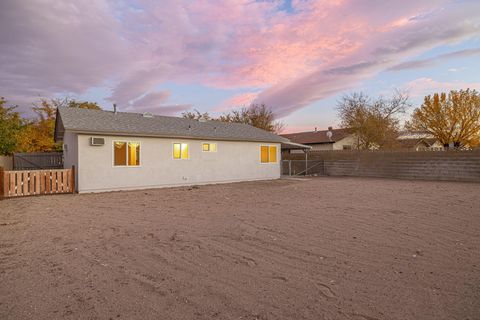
<point>295,146</point>
<point>147,135</point>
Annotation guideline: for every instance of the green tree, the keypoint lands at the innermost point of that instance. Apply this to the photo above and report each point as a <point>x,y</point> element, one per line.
<point>11,125</point>
<point>450,118</point>
<point>84,105</point>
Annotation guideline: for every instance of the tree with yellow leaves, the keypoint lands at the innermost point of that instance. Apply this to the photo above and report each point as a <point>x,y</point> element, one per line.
<point>37,136</point>
<point>452,118</point>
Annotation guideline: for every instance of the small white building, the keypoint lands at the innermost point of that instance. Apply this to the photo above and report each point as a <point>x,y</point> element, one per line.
<point>123,151</point>
<point>419,141</point>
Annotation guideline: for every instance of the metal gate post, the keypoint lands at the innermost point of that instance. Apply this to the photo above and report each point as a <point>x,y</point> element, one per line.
<point>306,162</point>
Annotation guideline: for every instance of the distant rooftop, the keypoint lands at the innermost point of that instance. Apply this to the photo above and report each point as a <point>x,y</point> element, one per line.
<point>317,137</point>
<point>406,135</point>
<point>137,124</point>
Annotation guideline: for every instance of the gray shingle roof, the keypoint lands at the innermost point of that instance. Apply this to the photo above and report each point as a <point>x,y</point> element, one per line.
<point>123,123</point>
<point>313,137</point>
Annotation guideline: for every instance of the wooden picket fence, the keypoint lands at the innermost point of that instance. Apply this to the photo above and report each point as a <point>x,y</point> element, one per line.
<point>36,182</point>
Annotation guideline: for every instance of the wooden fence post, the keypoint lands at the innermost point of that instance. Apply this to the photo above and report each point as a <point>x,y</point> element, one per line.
<point>73,179</point>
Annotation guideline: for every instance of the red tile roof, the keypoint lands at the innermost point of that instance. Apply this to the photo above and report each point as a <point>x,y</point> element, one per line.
<point>313,137</point>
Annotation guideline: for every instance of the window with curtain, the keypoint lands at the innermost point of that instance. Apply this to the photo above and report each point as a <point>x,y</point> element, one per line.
<point>126,153</point>
<point>268,154</point>
<point>180,151</point>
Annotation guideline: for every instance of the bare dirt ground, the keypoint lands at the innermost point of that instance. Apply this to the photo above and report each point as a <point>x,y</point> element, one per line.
<point>322,248</point>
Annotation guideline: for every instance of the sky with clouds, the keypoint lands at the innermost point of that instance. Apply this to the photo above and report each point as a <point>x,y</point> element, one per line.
<point>298,57</point>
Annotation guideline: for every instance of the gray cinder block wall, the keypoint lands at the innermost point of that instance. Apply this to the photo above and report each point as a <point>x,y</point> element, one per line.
<point>425,165</point>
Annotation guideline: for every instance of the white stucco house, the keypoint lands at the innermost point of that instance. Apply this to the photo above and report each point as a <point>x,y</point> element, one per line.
<point>122,151</point>
<point>419,141</point>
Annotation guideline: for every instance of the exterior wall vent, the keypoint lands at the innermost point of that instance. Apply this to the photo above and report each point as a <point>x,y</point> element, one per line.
<point>97,141</point>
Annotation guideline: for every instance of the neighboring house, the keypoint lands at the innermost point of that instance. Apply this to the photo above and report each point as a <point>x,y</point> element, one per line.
<point>121,151</point>
<point>331,139</point>
<point>341,139</point>
<point>418,141</point>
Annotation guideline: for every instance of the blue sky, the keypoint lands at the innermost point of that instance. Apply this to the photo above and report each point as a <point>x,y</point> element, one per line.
<point>298,57</point>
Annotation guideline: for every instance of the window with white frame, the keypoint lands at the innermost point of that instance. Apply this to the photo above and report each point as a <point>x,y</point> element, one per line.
<point>209,147</point>
<point>268,154</point>
<point>180,151</point>
<point>126,154</point>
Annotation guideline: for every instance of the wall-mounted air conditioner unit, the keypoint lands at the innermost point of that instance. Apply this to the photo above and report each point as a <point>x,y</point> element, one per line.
<point>97,141</point>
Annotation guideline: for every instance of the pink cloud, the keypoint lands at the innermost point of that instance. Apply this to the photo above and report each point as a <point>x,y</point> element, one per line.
<point>377,50</point>
<point>152,99</point>
<point>237,101</point>
<point>51,47</point>
<point>426,86</point>
<point>294,129</point>
<point>155,102</point>
<point>164,110</point>
<point>290,59</point>
<point>297,59</point>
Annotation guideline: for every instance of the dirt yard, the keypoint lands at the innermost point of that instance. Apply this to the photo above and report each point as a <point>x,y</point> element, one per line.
<point>321,248</point>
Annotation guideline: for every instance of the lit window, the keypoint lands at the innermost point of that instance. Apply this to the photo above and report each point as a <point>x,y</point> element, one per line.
<point>176,150</point>
<point>209,147</point>
<point>126,153</point>
<point>120,153</point>
<point>268,154</point>
<point>180,151</point>
<point>264,154</point>
<point>133,154</point>
<point>273,154</point>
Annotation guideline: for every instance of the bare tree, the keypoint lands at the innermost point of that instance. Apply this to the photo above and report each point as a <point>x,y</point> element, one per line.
<point>71,103</point>
<point>256,115</point>
<point>373,121</point>
<point>196,115</point>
